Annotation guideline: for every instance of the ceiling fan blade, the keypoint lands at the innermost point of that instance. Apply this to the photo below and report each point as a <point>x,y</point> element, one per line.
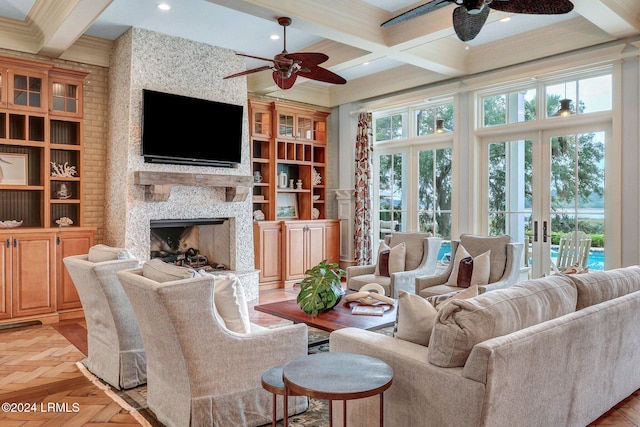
<point>323,75</point>
<point>467,25</point>
<point>274,60</point>
<point>284,83</point>
<point>308,58</point>
<point>533,7</point>
<point>244,73</point>
<point>417,11</point>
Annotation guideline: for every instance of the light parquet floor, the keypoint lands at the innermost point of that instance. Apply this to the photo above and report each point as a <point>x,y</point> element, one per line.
<point>38,374</point>
<point>37,366</point>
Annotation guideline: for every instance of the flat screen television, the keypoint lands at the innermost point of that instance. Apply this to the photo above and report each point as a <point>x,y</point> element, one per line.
<point>182,130</point>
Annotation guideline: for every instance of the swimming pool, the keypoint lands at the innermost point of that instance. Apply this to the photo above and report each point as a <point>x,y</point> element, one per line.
<point>596,256</point>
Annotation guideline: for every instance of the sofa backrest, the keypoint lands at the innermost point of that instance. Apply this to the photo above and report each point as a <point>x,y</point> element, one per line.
<point>414,243</point>
<point>461,324</point>
<point>599,286</point>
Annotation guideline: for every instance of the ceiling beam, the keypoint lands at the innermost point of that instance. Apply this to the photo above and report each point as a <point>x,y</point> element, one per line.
<point>59,23</point>
<point>620,18</point>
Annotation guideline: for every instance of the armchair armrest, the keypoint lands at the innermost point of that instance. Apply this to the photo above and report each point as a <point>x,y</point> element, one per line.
<point>511,270</point>
<point>359,270</point>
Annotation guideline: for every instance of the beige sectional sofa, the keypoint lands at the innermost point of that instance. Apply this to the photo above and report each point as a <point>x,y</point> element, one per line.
<point>554,351</point>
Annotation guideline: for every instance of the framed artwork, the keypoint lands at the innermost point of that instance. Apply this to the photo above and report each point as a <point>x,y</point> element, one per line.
<point>287,206</point>
<point>13,169</point>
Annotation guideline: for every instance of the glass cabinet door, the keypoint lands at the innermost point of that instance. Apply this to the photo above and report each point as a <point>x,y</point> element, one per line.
<point>285,125</point>
<point>27,91</point>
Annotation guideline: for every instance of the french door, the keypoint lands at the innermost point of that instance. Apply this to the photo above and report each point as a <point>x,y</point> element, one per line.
<point>542,186</point>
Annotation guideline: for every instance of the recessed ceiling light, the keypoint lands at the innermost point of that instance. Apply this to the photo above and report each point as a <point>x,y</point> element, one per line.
<point>365,63</point>
<point>164,6</point>
<point>274,37</point>
<point>507,19</point>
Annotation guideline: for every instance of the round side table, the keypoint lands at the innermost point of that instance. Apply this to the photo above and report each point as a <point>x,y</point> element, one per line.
<point>336,376</point>
<point>272,382</point>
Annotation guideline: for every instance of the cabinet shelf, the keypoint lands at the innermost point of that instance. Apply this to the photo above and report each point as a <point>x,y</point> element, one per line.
<point>22,188</point>
<point>67,147</point>
<point>64,201</point>
<point>65,178</point>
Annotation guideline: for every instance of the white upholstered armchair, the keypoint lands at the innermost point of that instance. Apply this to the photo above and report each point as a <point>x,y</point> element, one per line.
<point>198,371</point>
<point>421,256</point>
<point>116,353</point>
<point>504,265</point>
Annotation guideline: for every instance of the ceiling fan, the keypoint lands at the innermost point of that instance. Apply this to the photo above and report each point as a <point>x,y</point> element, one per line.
<point>470,15</point>
<point>287,66</point>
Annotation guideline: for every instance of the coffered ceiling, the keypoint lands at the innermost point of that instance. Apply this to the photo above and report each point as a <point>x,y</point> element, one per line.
<point>374,60</point>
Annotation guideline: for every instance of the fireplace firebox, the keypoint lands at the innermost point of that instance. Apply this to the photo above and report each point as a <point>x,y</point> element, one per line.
<point>197,243</point>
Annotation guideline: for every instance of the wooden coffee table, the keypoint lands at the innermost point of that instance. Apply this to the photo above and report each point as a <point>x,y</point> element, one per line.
<point>337,318</point>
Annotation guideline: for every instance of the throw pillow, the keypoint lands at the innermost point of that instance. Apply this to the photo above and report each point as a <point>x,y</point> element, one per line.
<point>383,262</point>
<point>416,315</point>
<point>231,303</point>
<point>480,269</point>
<point>460,254</point>
<point>415,318</point>
<point>161,272</point>
<point>465,270</point>
<point>438,301</point>
<point>101,253</point>
<point>396,258</point>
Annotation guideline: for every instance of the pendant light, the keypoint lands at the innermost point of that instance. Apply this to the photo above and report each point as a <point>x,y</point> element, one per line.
<point>565,108</point>
<point>440,126</point>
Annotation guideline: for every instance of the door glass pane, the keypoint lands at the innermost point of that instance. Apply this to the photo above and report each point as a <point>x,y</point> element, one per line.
<point>509,192</point>
<point>434,192</point>
<point>392,193</point>
<point>577,199</point>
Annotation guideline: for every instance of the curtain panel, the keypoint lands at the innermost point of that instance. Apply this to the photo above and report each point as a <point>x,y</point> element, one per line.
<point>362,196</point>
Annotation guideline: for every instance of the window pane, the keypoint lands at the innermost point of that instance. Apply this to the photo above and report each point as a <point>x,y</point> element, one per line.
<point>495,110</point>
<point>595,94</point>
<point>555,93</point>
<point>383,128</point>
<point>425,121</point>
<point>392,197</point>
<point>58,89</point>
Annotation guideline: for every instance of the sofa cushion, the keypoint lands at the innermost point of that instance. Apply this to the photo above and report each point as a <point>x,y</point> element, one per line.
<point>461,324</point>
<point>476,245</point>
<point>102,253</point>
<point>161,272</point>
<point>416,315</point>
<point>599,286</point>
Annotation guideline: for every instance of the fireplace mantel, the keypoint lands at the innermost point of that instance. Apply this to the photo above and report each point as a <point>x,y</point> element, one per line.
<point>158,184</point>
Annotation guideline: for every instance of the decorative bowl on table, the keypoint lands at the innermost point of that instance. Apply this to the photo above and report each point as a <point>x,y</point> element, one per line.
<point>10,224</point>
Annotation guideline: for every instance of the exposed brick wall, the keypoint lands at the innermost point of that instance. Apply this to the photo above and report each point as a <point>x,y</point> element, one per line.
<point>96,92</point>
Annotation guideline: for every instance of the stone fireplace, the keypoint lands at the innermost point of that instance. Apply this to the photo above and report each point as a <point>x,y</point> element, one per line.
<point>140,193</point>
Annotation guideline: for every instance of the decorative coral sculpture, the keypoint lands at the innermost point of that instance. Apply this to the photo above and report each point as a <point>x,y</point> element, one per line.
<point>63,170</point>
<point>64,221</point>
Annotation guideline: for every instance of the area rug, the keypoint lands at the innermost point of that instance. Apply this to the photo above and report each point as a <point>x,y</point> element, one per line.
<point>135,400</point>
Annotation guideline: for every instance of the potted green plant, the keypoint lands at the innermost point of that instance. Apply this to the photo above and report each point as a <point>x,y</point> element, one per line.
<point>320,290</point>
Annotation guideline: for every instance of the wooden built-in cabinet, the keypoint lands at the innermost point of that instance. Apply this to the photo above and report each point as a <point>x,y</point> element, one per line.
<point>284,250</point>
<point>290,140</point>
<point>41,134</point>
<point>35,283</point>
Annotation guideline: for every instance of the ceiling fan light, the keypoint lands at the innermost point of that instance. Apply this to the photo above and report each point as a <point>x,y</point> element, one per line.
<point>565,108</point>
<point>474,7</point>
